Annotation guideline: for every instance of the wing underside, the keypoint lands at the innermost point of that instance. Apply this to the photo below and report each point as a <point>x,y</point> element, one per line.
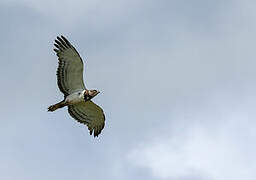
<point>89,114</point>
<point>70,69</point>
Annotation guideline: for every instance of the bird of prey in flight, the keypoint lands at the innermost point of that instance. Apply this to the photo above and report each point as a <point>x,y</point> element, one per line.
<point>76,96</point>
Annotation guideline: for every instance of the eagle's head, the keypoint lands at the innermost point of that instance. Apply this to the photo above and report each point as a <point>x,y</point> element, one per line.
<point>93,93</point>
<point>89,94</point>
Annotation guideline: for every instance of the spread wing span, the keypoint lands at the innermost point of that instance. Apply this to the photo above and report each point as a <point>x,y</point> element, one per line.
<point>70,69</point>
<point>89,114</point>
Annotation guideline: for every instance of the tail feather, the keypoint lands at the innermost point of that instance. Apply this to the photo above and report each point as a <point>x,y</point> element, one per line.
<point>56,106</point>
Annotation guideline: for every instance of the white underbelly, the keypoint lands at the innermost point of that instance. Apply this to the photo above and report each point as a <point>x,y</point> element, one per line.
<point>76,97</point>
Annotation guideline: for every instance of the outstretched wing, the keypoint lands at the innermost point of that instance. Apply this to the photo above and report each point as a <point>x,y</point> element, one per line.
<point>70,70</point>
<point>90,114</point>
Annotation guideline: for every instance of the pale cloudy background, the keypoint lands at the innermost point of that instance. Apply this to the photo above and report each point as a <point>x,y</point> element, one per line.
<point>178,88</point>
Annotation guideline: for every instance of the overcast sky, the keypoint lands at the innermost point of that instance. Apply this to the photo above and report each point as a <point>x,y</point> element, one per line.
<point>177,82</point>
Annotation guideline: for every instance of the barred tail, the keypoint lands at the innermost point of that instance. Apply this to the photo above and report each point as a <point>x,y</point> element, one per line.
<point>56,106</point>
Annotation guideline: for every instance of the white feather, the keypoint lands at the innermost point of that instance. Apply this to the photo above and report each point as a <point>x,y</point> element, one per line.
<point>76,97</point>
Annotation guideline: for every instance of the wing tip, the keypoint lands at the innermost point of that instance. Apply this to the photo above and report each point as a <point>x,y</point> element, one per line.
<point>94,132</point>
<point>65,40</point>
<point>62,43</point>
